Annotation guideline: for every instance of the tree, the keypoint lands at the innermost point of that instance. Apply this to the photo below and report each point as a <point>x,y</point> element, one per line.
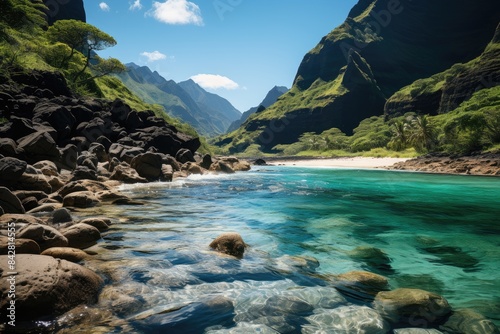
<point>80,37</point>
<point>422,135</point>
<point>399,140</point>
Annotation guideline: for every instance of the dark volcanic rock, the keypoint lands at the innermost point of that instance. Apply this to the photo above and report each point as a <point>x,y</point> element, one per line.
<point>9,202</point>
<point>65,10</point>
<point>148,165</point>
<point>39,146</point>
<point>11,170</point>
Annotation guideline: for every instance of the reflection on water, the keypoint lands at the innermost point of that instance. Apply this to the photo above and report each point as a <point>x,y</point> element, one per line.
<point>437,233</point>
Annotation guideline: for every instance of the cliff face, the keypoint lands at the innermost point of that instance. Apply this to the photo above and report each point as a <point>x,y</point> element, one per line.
<point>393,42</point>
<point>65,10</point>
<point>445,91</point>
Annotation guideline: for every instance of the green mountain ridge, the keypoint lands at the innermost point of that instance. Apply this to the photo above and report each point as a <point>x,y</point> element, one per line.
<point>382,47</point>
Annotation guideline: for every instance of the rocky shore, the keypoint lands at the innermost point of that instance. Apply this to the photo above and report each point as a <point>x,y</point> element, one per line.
<point>60,153</point>
<point>487,164</point>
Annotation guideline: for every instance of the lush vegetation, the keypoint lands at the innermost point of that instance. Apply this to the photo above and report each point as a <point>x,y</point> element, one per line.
<point>68,46</point>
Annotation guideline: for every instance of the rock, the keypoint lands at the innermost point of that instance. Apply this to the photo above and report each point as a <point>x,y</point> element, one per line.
<point>22,194</point>
<point>19,220</point>
<point>241,166</point>
<point>29,203</point>
<point>167,173</point>
<point>373,257</point>
<point>61,215</point>
<point>66,253</point>
<point>84,173</point>
<point>46,286</point>
<point>148,165</point>
<point>34,182</point>
<point>8,147</point>
<point>126,174</point>
<point>82,235</point>
<point>119,301</point>
<point>48,168</point>
<point>406,306</point>
<point>260,162</point>
<point>80,199</point>
<point>39,146</point>
<point>347,319</point>
<point>83,185</point>
<point>44,235</point>
<point>102,224</point>
<point>23,246</point>
<point>87,159</point>
<point>99,151</point>
<point>221,167</point>
<point>11,170</point>
<point>46,207</point>
<point>417,331</point>
<point>58,116</point>
<point>169,160</point>
<point>56,182</point>
<point>184,155</point>
<point>468,322</point>
<point>9,202</point>
<point>69,155</point>
<point>193,168</point>
<point>229,243</point>
<point>110,196</point>
<point>361,282</point>
<point>206,161</point>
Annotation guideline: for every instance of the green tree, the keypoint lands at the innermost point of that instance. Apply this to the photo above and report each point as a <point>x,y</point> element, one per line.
<point>399,139</point>
<point>422,134</point>
<point>80,37</point>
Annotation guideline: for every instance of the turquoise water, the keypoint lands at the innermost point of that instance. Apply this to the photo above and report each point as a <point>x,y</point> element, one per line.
<point>434,232</point>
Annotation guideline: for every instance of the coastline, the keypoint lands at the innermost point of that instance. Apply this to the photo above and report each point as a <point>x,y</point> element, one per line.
<point>341,162</point>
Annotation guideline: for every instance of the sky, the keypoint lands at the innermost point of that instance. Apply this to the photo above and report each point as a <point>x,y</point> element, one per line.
<point>238,49</point>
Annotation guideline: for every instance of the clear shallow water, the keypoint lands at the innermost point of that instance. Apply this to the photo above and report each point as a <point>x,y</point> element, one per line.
<point>437,233</point>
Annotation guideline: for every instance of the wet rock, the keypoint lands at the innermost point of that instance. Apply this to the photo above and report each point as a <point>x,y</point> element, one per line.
<point>61,215</point>
<point>19,220</point>
<point>286,305</point>
<point>406,306</point>
<point>221,167</point>
<point>417,331</point>
<point>206,161</point>
<point>126,174</point>
<point>80,199</point>
<point>82,235</point>
<point>260,162</point>
<point>167,173</point>
<point>347,319</point>
<point>9,202</point>
<point>45,236</point>
<point>192,168</point>
<point>102,224</point>
<point>376,258</point>
<point>148,165</point>
<point>23,246</point>
<point>469,322</point>
<point>115,299</point>
<point>34,182</point>
<point>360,283</point>
<point>66,253</point>
<point>48,286</point>
<point>229,243</point>
<point>11,170</point>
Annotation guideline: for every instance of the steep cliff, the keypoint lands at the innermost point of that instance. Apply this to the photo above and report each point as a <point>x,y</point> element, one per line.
<point>445,91</point>
<point>65,10</point>
<point>382,46</point>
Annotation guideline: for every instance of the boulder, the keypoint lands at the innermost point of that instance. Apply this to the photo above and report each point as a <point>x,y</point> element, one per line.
<point>48,168</point>
<point>417,331</point>
<point>58,116</point>
<point>69,155</point>
<point>170,160</point>
<point>206,161</point>
<point>126,174</point>
<point>11,170</point>
<point>102,224</point>
<point>9,202</point>
<point>83,185</point>
<point>46,286</point>
<point>29,203</point>
<point>61,215</point>
<point>17,128</point>
<point>45,236</point>
<point>361,282</point>
<point>148,165</point>
<point>34,182</point>
<point>8,147</point>
<point>221,167</point>
<point>260,162</point>
<point>193,168</point>
<point>99,151</point>
<point>19,220</point>
<point>82,235</point>
<point>23,246</point>
<point>80,199</point>
<point>184,155</point>
<point>39,146</point>
<point>66,253</point>
<point>84,173</point>
<point>470,322</point>
<point>229,243</point>
<point>167,173</point>
<point>406,306</point>
<point>22,194</point>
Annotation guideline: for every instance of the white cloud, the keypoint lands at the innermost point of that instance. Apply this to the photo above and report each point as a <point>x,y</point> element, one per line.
<point>177,12</point>
<point>136,5</point>
<point>214,81</point>
<point>104,7</point>
<point>154,56</point>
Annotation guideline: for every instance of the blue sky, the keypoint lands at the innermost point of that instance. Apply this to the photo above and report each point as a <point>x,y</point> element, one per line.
<point>238,49</point>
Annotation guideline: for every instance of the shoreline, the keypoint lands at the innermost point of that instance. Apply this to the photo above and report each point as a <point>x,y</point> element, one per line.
<point>341,162</point>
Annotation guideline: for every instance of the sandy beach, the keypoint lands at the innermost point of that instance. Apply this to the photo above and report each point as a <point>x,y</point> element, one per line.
<point>354,162</point>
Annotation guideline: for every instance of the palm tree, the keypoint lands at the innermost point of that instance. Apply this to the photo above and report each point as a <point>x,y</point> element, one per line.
<point>399,140</point>
<point>423,134</point>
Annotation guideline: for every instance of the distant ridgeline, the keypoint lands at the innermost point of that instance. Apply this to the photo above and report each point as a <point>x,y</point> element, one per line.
<point>208,113</point>
<point>383,46</point>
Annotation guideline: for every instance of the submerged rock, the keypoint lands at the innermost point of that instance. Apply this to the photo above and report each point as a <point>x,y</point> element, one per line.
<point>361,283</point>
<point>470,322</point>
<point>407,306</point>
<point>46,286</point>
<point>229,243</point>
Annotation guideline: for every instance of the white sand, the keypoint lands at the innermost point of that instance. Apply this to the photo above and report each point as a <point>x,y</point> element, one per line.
<point>355,162</point>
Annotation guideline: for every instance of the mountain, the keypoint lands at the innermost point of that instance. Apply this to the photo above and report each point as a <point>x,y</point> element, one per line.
<point>205,117</point>
<point>271,97</point>
<point>383,46</point>
<point>218,107</point>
